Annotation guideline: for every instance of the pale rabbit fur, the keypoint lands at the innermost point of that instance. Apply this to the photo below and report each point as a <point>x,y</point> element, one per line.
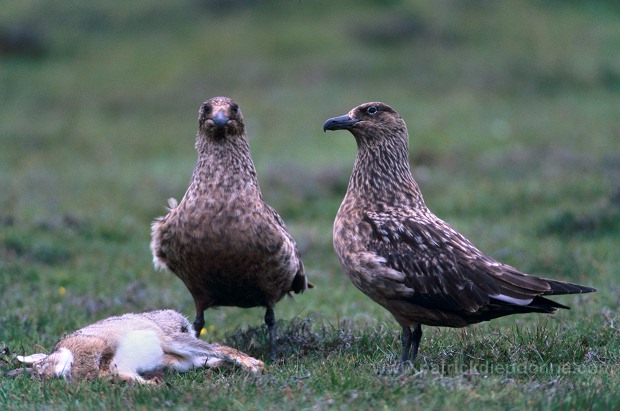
<point>131,344</point>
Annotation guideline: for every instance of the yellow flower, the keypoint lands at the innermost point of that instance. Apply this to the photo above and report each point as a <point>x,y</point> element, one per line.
<point>62,291</point>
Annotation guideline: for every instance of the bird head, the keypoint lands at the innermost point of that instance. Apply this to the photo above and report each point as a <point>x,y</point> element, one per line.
<point>383,146</point>
<point>369,121</point>
<point>219,117</point>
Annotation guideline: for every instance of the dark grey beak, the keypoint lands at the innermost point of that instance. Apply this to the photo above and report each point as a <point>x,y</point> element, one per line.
<point>339,123</point>
<point>220,119</point>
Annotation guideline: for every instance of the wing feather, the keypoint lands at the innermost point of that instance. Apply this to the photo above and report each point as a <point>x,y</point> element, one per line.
<point>444,270</point>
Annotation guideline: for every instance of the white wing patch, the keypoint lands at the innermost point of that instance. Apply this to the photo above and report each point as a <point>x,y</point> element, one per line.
<point>512,300</point>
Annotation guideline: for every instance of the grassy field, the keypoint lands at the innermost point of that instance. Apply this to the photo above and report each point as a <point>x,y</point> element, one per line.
<point>513,110</point>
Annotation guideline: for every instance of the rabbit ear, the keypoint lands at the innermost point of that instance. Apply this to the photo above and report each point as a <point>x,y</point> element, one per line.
<point>31,359</point>
<point>18,371</point>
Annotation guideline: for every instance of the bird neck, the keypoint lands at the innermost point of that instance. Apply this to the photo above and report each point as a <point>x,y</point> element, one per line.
<point>225,163</point>
<point>381,173</point>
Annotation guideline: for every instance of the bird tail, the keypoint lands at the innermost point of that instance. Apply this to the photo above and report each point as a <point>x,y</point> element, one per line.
<point>300,282</point>
<point>561,287</point>
<point>541,304</point>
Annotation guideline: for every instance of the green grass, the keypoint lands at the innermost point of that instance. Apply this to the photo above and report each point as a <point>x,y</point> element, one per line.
<point>512,109</point>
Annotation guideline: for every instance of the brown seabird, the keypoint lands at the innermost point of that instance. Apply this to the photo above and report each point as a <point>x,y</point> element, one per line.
<point>228,246</point>
<point>397,252</point>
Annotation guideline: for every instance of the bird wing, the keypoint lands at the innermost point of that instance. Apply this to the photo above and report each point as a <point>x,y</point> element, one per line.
<point>444,270</point>
<point>289,250</point>
<point>279,230</point>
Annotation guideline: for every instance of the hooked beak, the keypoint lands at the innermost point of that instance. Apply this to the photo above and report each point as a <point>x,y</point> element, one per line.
<point>220,119</point>
<point>339,123</point>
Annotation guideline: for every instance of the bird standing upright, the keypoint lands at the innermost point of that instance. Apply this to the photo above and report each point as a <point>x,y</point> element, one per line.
<point>226,244</point>
<point>397,252</point>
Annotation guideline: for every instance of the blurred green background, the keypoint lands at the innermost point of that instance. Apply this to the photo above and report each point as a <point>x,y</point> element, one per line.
<point>513,108</point>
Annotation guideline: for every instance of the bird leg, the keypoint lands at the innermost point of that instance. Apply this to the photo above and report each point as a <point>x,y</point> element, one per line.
<point>411,342</point>
<point>416,337</point>
<point>406,342</point>
<point>270,320</point>
<point>199,322</point>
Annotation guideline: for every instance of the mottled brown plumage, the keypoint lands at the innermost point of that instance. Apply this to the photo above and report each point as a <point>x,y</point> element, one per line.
<point>228,246</point>
<point>396,251</point>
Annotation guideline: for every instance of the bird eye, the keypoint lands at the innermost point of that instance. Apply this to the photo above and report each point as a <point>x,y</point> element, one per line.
<point>371,110</point>
<point>235,108</point>
<point>206,108</point>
